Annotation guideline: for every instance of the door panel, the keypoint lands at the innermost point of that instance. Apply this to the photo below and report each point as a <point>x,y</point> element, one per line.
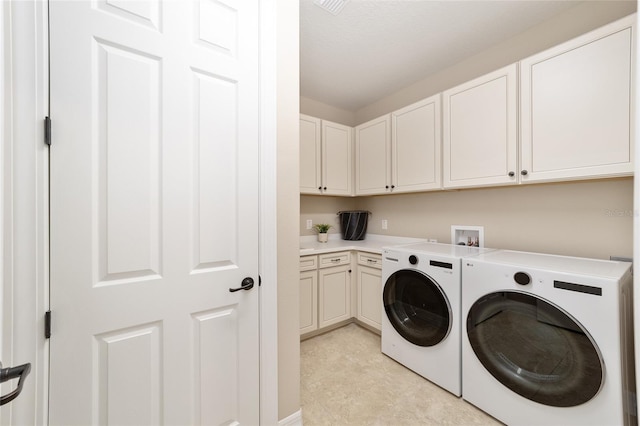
<point>154,160</point>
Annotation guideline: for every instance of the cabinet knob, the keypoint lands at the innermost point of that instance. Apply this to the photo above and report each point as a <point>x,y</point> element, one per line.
<point>325,188</point>
<point>386,187</point>
<point>512,174</point>
<point>524,173</point>
<point>393,186</point>
<point>320,188</point>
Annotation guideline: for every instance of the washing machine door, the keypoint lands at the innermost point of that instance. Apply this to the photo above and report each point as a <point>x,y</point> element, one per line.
<point>417,307</point>
<point>535,348</point>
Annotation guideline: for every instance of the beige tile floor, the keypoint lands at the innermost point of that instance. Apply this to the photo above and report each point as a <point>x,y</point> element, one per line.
<point>346,380</point>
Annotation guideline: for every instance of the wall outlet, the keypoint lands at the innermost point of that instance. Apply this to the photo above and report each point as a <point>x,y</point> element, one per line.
<point>385,224</point>
<point>309,223</point>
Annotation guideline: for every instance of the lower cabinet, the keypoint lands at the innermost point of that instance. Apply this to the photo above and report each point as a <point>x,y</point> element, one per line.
<point>334,288</point>
<point>308,301</point>
<point>327,290</point>
<point>369,289</point>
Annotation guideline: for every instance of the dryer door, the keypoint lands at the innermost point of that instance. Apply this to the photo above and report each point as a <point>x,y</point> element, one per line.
<point>417,307</point>
<point>535,348</point>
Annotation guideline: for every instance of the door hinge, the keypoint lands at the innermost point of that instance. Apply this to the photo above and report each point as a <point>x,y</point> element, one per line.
<point>47,131</point>
<point>47,324</point>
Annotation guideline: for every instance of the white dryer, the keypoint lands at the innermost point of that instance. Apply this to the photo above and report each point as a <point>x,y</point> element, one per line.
<point>548,339</point>
<point>421,309</point>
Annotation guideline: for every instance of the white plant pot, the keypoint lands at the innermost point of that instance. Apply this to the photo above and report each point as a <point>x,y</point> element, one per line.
<point>323,238</point>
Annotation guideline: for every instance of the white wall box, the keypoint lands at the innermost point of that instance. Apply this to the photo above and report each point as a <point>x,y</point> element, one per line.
<point>576,107</point>
<point>369,289</point>
<point>334,288</point>
<point>326,160</point>
<point>400,152</point>
<point>479,131</point>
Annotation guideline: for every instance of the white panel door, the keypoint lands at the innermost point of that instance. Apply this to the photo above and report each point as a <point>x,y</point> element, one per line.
<point>373,156</point>
<point>154,212</point>
<point>479,131</point>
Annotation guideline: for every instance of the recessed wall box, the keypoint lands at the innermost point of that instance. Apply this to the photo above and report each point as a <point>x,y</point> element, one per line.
<point>467,235</point>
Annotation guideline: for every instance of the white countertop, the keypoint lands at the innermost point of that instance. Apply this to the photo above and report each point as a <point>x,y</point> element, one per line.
<point>372,243</point>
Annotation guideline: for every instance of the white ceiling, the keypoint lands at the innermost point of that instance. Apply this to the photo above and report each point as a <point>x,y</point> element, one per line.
<point>376,47</point>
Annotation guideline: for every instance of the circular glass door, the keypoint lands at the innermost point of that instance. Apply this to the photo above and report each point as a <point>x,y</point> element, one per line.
<point>535,349</point>
<point>416,307</point>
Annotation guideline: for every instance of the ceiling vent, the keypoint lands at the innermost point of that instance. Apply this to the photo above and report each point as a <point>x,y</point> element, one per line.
<point>331,6</point>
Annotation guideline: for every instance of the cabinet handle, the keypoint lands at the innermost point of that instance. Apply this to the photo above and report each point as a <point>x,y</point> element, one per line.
<point>393,186</point>
<point>325,188</point>
<point>512,174</point>
<point>386,187</point>
<point>372,261</point>
<point>524,173</point>
<point>320,188</point>
<point>335,260</point>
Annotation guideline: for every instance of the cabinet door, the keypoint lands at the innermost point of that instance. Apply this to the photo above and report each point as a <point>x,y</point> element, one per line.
<point>577,106</point>
<point>416,143</point>
<point>370,296</point>
<point>310,155</point>
<point>334,295</point>
<point>337,159</point>
<point>479,131</point>
<point>373,156</point>
<point>308,301</point>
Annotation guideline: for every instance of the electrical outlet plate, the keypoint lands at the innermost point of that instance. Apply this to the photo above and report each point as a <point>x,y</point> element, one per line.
<point>385,224</point>
<point>309,223</point>
<point>462,234</point>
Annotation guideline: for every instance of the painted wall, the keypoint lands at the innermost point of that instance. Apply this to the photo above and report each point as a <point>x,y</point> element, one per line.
<point>327,112</point>
<point>288,186</point>
<point>582,218</point>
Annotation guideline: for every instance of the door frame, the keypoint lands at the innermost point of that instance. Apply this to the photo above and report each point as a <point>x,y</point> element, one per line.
<point>24,233</point>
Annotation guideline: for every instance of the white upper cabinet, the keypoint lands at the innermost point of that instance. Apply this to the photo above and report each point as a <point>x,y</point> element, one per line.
<point>577,106</point>
<point>479,131</point>
<point>310,155</point>
<point>400,152</point>
<point>373,156</point>
<point>415,146</point>
<point>326,161</point>
<point>337,159</point>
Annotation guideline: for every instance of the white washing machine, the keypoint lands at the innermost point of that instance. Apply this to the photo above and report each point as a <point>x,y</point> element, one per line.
<point>421,309</point>
<point>548,339</point>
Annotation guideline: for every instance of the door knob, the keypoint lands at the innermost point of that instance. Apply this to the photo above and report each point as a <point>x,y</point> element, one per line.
<point>20,372</point>
<point>246,284</point>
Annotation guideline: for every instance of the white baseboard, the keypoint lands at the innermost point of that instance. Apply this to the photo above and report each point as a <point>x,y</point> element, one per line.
<point>293,420</point>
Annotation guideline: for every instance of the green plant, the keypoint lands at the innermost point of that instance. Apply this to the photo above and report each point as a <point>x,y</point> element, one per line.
<point>322,228</point>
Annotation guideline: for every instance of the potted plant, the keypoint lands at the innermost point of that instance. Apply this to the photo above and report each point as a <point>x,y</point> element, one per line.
<point>322,229</point>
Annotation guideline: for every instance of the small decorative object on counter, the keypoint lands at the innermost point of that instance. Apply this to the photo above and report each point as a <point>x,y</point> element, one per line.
<point>322,229</point>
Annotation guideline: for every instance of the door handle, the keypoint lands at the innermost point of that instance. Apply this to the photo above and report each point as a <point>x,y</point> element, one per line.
<point>247,284</point>
<point>21,372</point>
